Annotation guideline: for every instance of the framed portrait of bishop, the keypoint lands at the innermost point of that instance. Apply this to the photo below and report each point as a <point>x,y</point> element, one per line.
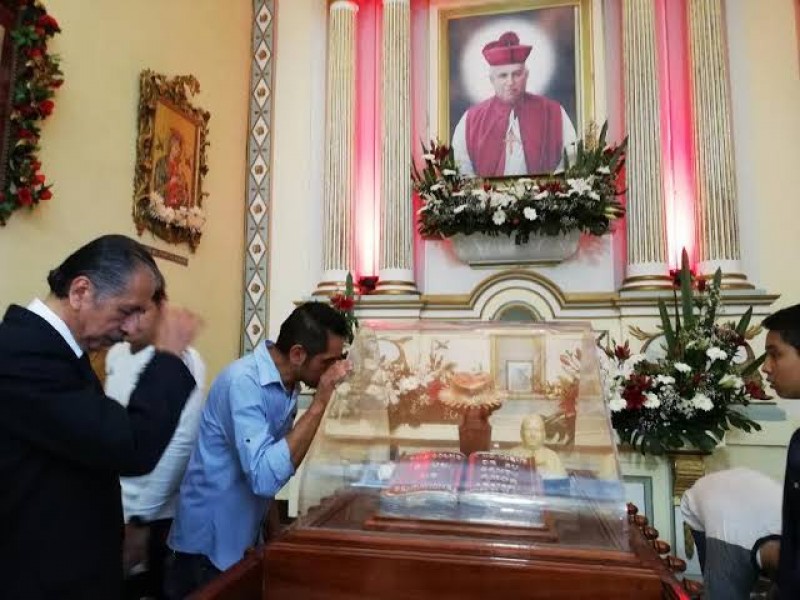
<point>514,84</point>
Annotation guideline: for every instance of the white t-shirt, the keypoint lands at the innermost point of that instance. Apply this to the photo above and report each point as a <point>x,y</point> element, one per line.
<point>153,496</point>
<point>515,153</point>
<point>737,506</point>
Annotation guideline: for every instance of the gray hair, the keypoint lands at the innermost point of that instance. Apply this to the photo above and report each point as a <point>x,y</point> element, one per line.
<point>108,262</point>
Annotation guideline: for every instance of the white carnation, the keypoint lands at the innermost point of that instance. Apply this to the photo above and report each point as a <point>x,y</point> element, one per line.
<point>702,402</point>
<point>653,401</point>
<point>715,353</point>
<point>530,213</point>
<point>617,403</point>
<point>499,217</point>
<point>665,380</point>
<point>408,384</point>
<point>682,367</point>
<point>731,381</point>
<point>579,186</point>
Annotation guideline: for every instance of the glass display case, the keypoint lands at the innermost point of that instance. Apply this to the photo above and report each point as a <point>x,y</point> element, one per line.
<point>458,446</point>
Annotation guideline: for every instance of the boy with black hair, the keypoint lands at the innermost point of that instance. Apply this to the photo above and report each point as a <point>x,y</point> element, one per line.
<point>781,557</point>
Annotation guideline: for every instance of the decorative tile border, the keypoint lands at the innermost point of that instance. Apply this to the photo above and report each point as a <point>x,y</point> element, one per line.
<point>255,316</point>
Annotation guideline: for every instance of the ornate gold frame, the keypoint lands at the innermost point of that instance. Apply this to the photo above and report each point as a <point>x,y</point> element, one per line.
<point>584,51</point>
<point>173,92</point>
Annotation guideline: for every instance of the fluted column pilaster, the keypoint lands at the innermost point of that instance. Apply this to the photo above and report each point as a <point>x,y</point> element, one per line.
<point>339,184</point>
<point>396,261</point>
<point>647,246</point>
<point>716,212</point>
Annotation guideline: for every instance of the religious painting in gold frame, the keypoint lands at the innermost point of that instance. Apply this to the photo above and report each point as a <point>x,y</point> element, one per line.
<point>558,68</point>
<point>170,159</point>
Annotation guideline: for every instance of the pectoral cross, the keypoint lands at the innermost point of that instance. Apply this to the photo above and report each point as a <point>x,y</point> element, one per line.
<point>511,141</point>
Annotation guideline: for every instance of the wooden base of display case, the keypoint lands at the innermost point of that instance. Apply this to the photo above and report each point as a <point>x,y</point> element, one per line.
<point>328,558</point>
<point>529,535</point>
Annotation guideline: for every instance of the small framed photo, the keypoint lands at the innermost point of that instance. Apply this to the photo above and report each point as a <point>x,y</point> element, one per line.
<point>519,376</point>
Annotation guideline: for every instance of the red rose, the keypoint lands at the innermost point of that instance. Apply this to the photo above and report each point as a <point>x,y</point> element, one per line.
<point>434,387</point>
<point>24,197</point>
<point>49,23</point>
<point>26,134</point>
<point>623,352</point>
<point>45,194</point>
<point>38,178</point>
<point>754,389</point>
<point>634,391</point>
<point>46,107</point>
<point>342,303</point>
<point>56,83</point>
<point>702,284</point>
<point>35,53</point>
<point>39,31</point>
<point>36,165</point>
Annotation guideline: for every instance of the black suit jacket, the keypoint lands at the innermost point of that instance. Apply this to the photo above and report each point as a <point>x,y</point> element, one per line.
<point>63,446</point>
<point>788,579</point>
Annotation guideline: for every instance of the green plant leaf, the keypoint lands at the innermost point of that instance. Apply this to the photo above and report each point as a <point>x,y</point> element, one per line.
<point>753,366</point>
<point>687,295</point>
<point>666,326</point>
<point>744,322</point>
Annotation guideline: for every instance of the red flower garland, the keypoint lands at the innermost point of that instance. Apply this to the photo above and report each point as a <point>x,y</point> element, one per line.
<point>36,79</point>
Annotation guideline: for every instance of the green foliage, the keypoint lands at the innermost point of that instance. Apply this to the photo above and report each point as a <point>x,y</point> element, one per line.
<point>584,196</point>
<point>695,393</point>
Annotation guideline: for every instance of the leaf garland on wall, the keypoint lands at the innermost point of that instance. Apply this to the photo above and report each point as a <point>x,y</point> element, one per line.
<point>36,75</point>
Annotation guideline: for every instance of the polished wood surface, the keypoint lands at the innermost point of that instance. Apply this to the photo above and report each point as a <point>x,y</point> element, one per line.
<point>329,556</point>
<point>243,581</point>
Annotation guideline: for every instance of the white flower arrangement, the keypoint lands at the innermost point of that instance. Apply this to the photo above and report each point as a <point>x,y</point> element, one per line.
<point>694,394</point>
<point>191,218</point>
<point>583,196</point>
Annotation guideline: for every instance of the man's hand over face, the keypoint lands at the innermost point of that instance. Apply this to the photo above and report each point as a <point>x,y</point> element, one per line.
<point>176,330</point>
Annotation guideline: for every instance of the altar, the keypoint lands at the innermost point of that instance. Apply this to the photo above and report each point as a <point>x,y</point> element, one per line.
<point>677,195</point>
<point>401,495</point>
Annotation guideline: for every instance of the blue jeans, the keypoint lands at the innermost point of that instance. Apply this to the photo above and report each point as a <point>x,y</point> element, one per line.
<point>187,573</point>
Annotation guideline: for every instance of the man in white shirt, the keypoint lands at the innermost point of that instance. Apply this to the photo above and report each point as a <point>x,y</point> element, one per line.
<point>513,132</point>
<point>728,512</point>
<point>148,501</point>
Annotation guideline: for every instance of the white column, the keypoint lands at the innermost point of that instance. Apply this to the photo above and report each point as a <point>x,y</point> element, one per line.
<point>647,265</point>
<point>396,261</point>
<point>337,208</point>
<point>716,213</point>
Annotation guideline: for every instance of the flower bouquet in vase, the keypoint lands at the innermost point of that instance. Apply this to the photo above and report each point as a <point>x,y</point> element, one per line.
<point>689,398</point>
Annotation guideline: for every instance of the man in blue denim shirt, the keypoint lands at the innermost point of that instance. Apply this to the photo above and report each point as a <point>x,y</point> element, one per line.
<point>249,446</point>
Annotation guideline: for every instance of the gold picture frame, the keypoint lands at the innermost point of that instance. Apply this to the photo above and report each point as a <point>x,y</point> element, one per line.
<point>512,353</point>
<point>461,34</point>
<point>170,159</point>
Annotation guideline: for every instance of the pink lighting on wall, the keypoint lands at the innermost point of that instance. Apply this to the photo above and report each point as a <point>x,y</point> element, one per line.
<point>676,127</point>
<point>366,217</point>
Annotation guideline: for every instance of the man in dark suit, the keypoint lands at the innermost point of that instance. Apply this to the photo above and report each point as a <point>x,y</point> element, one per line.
<point>781,557</point>
<point>63,443</point>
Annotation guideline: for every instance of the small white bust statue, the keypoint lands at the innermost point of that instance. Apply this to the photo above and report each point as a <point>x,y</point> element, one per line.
<point>532,435</point>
